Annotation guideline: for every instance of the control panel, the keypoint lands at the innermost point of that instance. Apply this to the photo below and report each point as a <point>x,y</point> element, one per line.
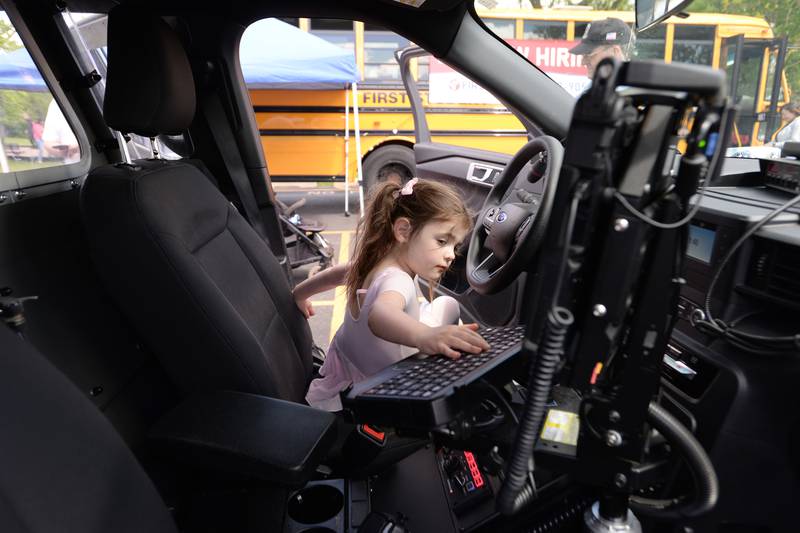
<point>783,174</point>
<point>465,484</point>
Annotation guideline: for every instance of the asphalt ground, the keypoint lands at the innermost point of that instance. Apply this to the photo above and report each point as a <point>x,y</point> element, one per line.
<point>327,206</point>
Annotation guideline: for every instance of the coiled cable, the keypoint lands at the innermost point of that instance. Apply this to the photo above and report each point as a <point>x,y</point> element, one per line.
<point>517,490</point>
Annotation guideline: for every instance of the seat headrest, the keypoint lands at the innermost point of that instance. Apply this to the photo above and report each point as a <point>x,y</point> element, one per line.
<point>149,86</point>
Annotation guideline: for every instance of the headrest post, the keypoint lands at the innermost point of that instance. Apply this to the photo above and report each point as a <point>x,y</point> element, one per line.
<point>123,147</point>
<point>154,148</point>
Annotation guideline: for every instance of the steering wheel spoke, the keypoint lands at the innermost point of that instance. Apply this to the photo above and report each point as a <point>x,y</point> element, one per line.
<point>487,268</point>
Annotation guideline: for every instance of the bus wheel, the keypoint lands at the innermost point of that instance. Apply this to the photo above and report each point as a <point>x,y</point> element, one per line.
<point>389,163</point>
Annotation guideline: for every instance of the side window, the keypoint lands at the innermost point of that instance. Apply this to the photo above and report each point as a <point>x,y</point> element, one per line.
<point>693,44</point>
<point>34,133</point>
<point>544,29</point>
<point>650,44</point>
<point>503,28</point>
<point>338,32</point>
<point>379,46</point>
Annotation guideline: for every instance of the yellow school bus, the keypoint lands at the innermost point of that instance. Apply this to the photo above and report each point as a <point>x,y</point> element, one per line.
<point>302,131</point>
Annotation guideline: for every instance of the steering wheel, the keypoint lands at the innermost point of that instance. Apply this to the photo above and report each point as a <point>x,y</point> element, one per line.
<point>511,224</point>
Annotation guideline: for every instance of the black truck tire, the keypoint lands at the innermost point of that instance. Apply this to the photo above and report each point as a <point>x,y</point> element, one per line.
<point>393,162</point>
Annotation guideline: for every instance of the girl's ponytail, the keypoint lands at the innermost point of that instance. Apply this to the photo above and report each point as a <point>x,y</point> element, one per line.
<point>374,236</point>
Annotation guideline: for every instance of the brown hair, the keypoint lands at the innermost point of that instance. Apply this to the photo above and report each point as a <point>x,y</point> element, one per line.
<point>429,201</point>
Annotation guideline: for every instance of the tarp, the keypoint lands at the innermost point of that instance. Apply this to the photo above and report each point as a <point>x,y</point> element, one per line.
<point>273,55</point>
<point>18,72</point>
<point>278,55</point>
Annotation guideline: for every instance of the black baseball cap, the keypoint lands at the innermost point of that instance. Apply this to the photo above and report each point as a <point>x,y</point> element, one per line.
<point>601,33</point>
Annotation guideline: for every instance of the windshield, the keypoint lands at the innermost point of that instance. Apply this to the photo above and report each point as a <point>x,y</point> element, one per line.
<point>756,43</point>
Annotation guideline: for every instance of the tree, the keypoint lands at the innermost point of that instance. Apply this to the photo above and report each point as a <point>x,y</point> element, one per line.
<point>8,34</point>
<point>782,17</point>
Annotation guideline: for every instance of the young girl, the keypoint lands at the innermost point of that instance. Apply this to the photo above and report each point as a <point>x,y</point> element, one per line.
<point>407,231</point>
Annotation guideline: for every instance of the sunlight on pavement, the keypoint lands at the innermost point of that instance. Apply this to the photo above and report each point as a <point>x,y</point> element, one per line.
<point>340,299</point>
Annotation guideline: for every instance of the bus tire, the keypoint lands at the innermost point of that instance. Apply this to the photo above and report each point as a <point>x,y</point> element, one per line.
<point>389,163</point>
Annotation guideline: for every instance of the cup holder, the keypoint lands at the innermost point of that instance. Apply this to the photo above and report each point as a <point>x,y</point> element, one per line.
<point>316,504</point>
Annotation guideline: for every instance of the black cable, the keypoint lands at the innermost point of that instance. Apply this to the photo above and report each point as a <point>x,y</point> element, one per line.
<point>750,342</point>
<point>692,212</point>
<point>705,480</point>
<point>567,239</point>
<point>502,400</point>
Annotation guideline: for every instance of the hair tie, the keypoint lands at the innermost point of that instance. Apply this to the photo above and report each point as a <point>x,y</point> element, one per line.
<point>407,189</point>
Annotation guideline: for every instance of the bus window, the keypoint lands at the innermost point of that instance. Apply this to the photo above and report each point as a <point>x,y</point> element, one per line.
<point>544,29</point>
<point>650,44</point>
<point>580,29</point>
<point>503,28</point>
<point>693,44</point>
<point>379,62</point>
<point>338,32</point>
<point>423,68</point>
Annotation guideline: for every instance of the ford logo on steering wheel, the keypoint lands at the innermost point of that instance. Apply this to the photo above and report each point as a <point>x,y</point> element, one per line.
<point>502,216</point>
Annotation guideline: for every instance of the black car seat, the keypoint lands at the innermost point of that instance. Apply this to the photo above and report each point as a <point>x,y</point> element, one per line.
<point>196,280</point>
<point>62,466</point>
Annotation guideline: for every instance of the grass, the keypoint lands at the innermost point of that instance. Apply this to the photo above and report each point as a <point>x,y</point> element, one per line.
<point>19,141</point>
<point>19,165</point>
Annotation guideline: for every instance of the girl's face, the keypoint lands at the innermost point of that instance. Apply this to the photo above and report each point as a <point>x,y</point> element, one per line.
<point>787,115</point>
<point>431,249</point>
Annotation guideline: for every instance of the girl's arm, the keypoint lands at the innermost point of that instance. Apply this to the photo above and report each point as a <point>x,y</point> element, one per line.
<point>388,320</point>
<point>321,282</point>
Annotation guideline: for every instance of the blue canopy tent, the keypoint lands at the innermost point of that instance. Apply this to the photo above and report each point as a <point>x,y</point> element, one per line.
<point>276,55</point>
<point>19,73</point>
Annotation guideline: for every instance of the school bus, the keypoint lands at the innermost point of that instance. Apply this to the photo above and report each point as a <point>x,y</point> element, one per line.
<point>302,131</point>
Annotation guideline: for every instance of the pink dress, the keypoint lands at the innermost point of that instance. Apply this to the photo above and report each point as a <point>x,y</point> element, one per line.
<point>355,352</point>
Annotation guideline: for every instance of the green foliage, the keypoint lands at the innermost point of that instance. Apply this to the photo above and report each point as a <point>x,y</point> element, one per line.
<point>8,34</point>
<point>15,105</point>
<point>782,16</point>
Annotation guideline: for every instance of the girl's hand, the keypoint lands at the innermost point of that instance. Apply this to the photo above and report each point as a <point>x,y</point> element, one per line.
<point>305,307</point>
<point>446,340</point>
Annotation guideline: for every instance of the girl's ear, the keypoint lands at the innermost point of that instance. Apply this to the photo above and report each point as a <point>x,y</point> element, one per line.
<point>401,229</point>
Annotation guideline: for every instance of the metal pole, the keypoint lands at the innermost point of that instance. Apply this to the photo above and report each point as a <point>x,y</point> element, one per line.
<point>3,160</point>
<point>358,151</point>
<point>123,147</point>
<point>346,153</point>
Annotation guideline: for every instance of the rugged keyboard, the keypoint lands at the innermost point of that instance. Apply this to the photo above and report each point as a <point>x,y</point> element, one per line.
<point>422,392</point>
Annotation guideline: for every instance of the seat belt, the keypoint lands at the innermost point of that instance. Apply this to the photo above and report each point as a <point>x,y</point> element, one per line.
<point>231,157</point>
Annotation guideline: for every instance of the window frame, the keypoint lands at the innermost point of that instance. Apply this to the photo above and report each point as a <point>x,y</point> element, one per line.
<point>32,183</point>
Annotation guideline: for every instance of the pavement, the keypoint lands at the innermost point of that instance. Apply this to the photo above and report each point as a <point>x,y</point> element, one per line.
<point>325,204</point>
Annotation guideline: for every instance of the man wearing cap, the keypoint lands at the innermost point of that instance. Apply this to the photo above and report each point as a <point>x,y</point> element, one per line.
<point>604,38</point>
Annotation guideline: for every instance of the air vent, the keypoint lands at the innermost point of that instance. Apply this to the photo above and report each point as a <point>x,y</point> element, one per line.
<point>775,271</point>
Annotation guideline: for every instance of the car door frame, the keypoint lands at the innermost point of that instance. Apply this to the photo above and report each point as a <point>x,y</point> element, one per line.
<point>494,308</point>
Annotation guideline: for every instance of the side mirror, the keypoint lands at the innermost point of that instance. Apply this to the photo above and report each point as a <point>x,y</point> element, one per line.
<point>651,12</point>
